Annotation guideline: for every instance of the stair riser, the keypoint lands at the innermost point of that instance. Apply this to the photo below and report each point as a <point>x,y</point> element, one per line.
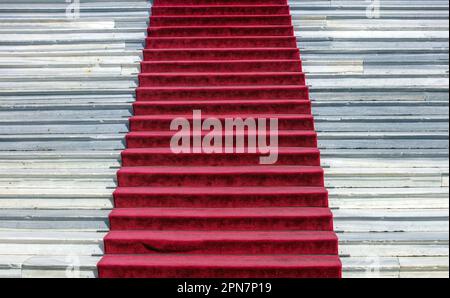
<point>164,141</point>
<point>154,246</point>
<point>149,94</point>
<point>220,67</point>
<point>217,2</point>
<point>294,123</point>
<point>128,200</point>
<point>224,55</point>
<point>217,10</point>
<point>136,160</point>
<point>221,224</point>
<point>222,108</point>
<point>235,42</point>
<point>220,180</point>
<point>221,21</point>
<point>222,31</point>
<point>202,272</point>
<point>148,80</point>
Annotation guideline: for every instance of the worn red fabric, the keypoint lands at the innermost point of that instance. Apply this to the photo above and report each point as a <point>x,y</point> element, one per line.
<point>221,79</point>
<point>221,215</point>
<point>223,107</point>
<point>220,197</point>
<point>221,242</point>
<point>158,139</point>
<point>219,266</point>
<point>165,157</point>
<point>220,55</point>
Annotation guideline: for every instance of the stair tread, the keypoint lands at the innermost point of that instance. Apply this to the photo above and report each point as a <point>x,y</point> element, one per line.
<point>171,133</point>
<point>262,87</point>
<point>223,27</point>
<point>223,92</point>
<point>161,139</point>
<point>224,53</point>
<point>221,266</point>
<point>184,107</point>
<point>223,37</point>
<point>190,79</point>
<point>167,10</point>
<point>187,116</point>
<point>282,150</point>
<point>221,74</point>
<point>221,197</point>
<point>293,49</point>
<point>273,190</point>
<point>222,6</point>
<point>221,42</point>
<point>223,235</point>
<point>217,2</point>
<point>274,212</point>
<point>221,61</point>
<point>222,102</point>
<point>165,156</point>
<point>219,16</point>
<point>221,170</point>
<point>211,31</point>
<point>220,19</point>
<point>222,261</point>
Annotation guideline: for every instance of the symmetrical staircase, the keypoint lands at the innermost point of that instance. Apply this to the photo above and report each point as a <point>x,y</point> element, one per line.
<point>379,92</point>
<point>221,214</point>
<point>65,98</point>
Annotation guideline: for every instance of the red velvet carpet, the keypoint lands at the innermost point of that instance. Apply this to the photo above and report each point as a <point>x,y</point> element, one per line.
<point>221,215</point>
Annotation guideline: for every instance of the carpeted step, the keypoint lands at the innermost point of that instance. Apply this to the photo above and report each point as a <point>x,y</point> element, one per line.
<point>220,197</point>
<point>276,107</point>
<point>228,54</point>
<point>198,214</point>
<point>224,20</point>
<point>220,42</point>
<point>219,266</point>
<point>221,242</point>
<point>219,66</point>
<point>222,93</point>
<point>163,123</point>
<point>215,10</point>
<point>165,157</point>
<point>220,31</point>
<point>221,79</point>
<point>161,139</point>
<point>222,219</point>
<point>218,2</point>
<point>221,176</point>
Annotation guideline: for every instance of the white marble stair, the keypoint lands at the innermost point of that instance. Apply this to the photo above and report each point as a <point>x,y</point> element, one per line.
<point>380,91</point>
<point>66,88</point>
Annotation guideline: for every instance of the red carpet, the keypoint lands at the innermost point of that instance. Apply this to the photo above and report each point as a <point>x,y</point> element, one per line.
<point>221,215</point>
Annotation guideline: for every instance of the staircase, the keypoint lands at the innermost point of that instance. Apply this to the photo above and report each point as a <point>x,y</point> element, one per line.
<point>379,96</point>
<point>220,215</point>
